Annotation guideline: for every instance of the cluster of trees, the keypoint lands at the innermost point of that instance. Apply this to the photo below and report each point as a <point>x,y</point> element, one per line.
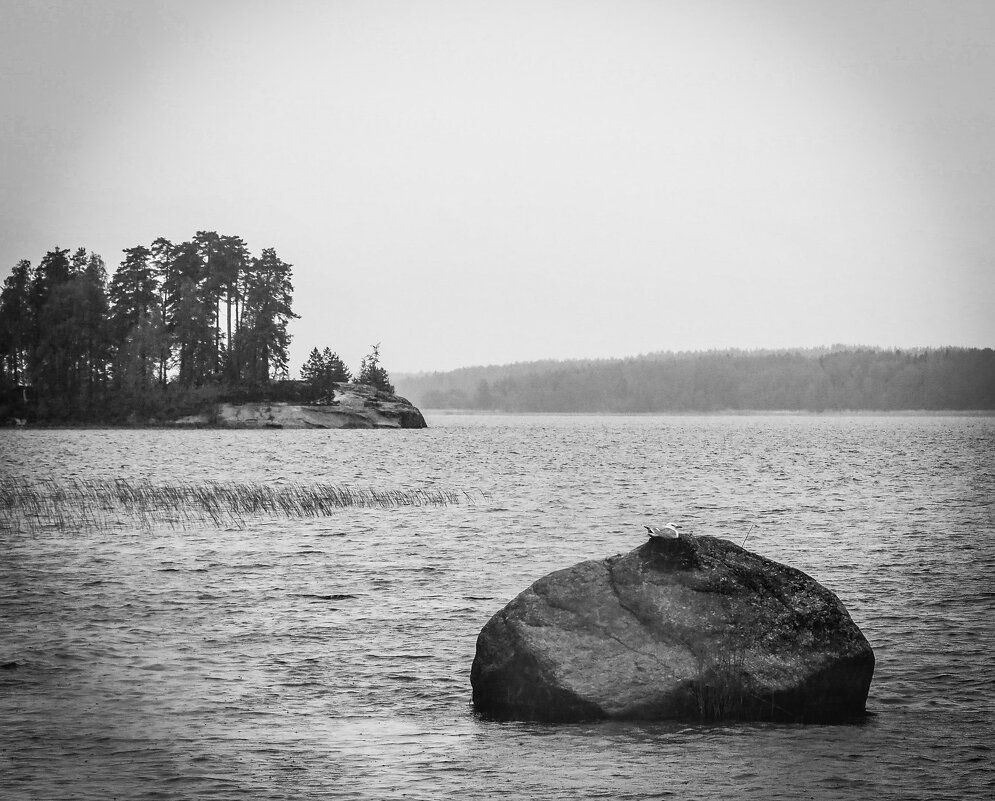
<point>813,380</point>
<point>177,327</point>
<point>173,319</point>
<point>373,373</point>
<point>324,369</point>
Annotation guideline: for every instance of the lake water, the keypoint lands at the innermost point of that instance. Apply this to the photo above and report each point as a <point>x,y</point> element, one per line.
<point>330,658</point>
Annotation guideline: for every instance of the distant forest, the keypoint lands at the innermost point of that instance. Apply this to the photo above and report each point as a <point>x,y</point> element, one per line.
<point>831,379</point>
<point>177,328</point>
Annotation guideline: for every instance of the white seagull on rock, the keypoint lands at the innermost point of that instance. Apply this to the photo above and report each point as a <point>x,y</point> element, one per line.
<point>667,532</point>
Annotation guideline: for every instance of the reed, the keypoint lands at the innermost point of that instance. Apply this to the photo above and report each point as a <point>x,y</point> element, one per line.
<point>722,689</point>
<point>93,502</point>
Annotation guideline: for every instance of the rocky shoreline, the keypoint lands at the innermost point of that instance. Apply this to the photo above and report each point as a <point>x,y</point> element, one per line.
<point>347,406</point>
<point>351,406</point>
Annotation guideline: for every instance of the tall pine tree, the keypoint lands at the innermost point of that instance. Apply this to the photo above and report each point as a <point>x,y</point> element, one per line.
<point>262,340</point>
<point>14,321</point>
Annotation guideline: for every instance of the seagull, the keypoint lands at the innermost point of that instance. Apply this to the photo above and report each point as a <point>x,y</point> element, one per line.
<point>667,532</point>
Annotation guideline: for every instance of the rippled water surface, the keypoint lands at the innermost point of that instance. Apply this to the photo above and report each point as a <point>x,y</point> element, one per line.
<point>330,658</point>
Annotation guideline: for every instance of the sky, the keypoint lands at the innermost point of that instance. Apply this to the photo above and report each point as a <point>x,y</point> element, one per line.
<point>471,183</point>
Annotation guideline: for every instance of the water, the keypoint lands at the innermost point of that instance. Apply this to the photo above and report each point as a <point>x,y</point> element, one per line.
<point>330,658</point>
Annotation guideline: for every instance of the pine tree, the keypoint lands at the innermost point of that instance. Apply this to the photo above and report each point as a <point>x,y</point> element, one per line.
<point>232,260</point>
<point>373,374</point>
<point>162,255</point>
<point>262,339</point>
<point>52,271</point>
<point>323,371</point>
<point>190,315</point>
<point>133,291</point>
<point>14,321</point>
<point>94,331</point>
<point>136,321</point>
<point>69,358</point>
<point>335,368</point>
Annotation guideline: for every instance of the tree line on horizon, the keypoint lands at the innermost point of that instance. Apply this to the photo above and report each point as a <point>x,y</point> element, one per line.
<point>835,379</point>
<point>175,327</point>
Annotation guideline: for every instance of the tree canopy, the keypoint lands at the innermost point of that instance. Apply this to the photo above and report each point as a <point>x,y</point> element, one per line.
<point>77,345</point>
<point>322,371</point>
<point>372,373</point>
<point>176,326</point>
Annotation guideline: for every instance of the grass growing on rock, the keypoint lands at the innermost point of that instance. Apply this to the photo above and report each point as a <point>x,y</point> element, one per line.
<point>722,688</point>
<point>91,502</point>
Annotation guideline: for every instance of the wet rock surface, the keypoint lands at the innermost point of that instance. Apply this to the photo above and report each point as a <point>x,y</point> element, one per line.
<point>685,628</point>
<point>351,406</point>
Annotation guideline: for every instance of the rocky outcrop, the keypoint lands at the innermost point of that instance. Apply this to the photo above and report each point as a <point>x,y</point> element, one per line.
<point>684,628</point>
<point>351,406</point>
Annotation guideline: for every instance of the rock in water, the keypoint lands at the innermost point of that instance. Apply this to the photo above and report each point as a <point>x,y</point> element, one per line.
<point>354,406</point>
<point>689,628</point>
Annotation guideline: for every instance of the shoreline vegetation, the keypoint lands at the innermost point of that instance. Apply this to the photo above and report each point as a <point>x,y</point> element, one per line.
<point>177,330</point>
<point>31,505</point>
<point>838,379</point>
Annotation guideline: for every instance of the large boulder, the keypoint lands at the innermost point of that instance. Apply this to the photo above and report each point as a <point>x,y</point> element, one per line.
<point>684,628</point>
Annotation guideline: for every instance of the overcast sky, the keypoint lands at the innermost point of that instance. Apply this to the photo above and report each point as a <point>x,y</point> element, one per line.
<point>488,182</point>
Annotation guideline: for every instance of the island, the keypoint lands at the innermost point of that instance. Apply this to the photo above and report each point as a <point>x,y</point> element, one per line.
<point>182,334</point>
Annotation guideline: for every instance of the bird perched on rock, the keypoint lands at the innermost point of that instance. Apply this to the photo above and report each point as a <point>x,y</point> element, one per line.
<point>667,532</point>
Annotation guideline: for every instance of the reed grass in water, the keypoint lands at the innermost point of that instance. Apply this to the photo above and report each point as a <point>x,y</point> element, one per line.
<point>92,502</point>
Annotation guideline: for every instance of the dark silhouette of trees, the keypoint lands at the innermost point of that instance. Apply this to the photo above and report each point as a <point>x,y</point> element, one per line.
<point>262,339</point>
<point>67,343</point>
<point>135,323</point>
<point>133,291</point>
<point>51,272</point>
<point>834,379</point>
<point>15,320</point>
<point>231,266</point>
<point>96,341</point>
<point>322,372</point>
<point>191,316</point>
<point>175,321</point>
<point>373,374</point>
<point>161,255</point>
